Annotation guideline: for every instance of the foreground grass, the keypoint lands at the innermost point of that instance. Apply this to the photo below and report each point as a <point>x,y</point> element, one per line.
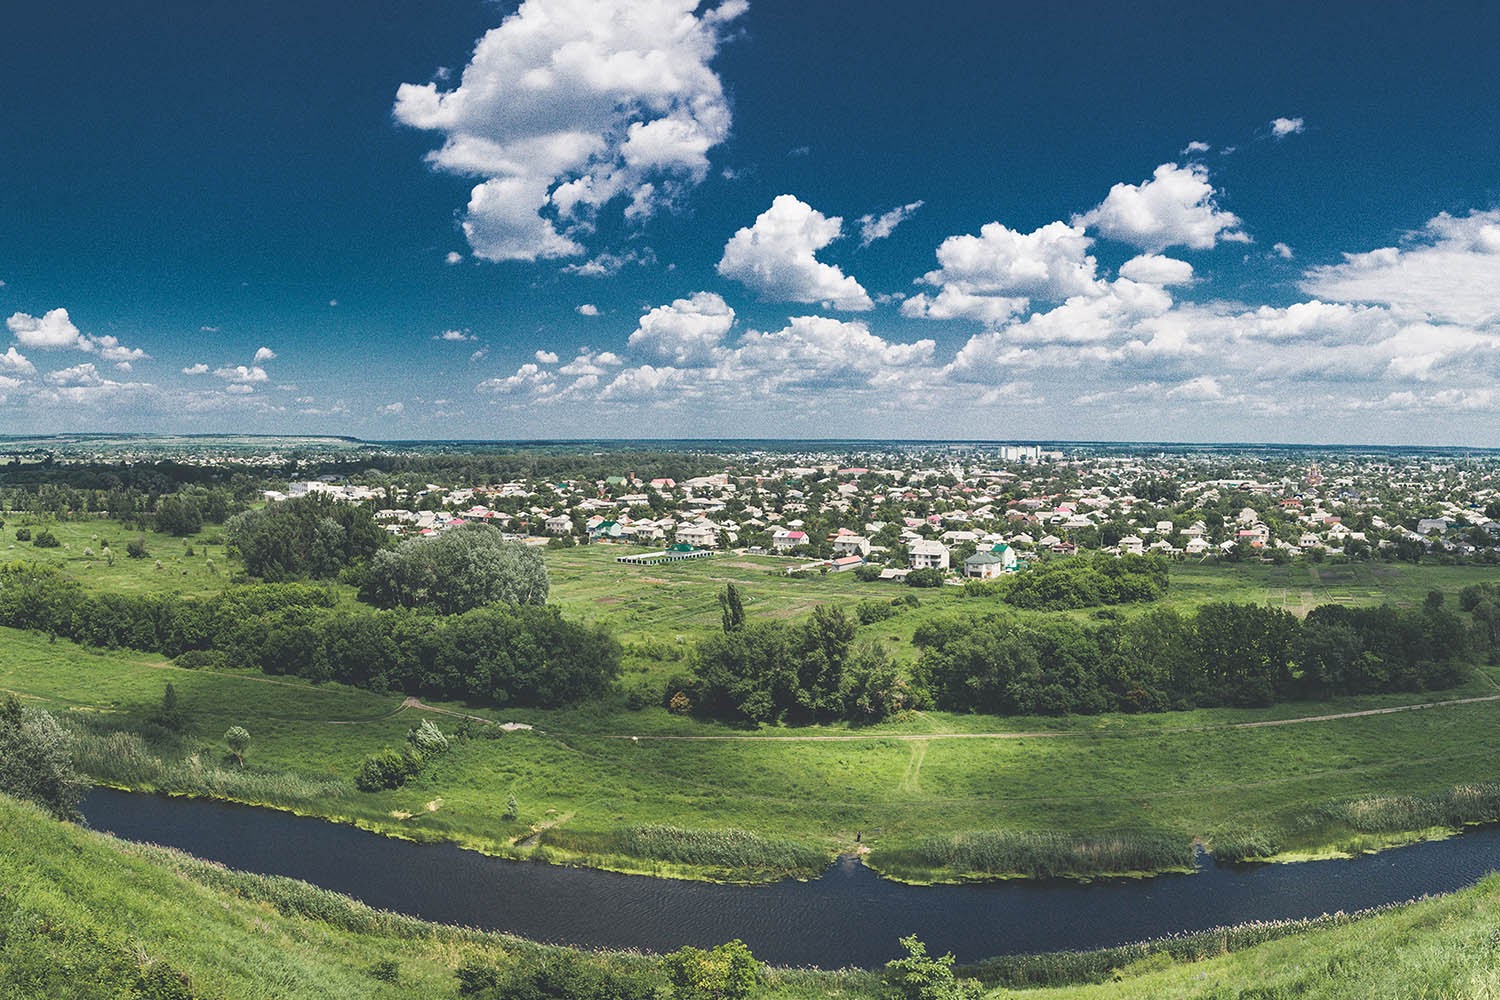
<point>85,916</point>
<point>1100,790</point>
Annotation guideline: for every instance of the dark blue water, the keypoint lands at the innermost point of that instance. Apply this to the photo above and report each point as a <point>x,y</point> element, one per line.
<point>847,917</point>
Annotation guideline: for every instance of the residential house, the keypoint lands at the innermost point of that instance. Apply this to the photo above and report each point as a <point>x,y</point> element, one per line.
<point>928,554</point>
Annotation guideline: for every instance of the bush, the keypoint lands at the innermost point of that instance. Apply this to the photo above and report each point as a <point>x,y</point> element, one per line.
<point>925,578</point>
<point>387,769</point>
<point>870,612</point>
<point>46,540</point>
<point>427,739</point>
<point>23,534</point>
<point>38,760</point>
<point>728,972</point>
<point>921,977</point>
<point>136,548</point>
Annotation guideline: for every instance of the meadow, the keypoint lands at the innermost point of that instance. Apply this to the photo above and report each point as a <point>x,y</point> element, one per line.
<point>85,915</point>
<point>588,780</point>
<point>591,780</point>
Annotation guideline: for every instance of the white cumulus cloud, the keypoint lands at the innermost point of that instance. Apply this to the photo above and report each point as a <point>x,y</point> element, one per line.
<point>1175,207</point>
<point>1449,272</point>
<point>1283,127</point>
<point>587,309</point>
<point>776,257</point>
<point>687,331</point>
<point>1154,269</point>
<point>242,374</point>
<point>14,360</point>
<point>528,378</point>
<point>263,354</point>
<point>569,104</point>
<point>51,331</point>
<point>993,276</point>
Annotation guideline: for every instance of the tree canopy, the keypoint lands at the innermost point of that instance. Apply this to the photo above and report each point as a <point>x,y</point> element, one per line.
<point>456,571</point>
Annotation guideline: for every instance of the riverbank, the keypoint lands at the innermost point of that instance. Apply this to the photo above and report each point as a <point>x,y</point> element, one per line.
<point>81,912</point>
<point>583,785</point>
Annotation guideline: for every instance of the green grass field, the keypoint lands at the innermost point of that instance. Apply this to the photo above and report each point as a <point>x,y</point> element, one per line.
<point>83,915</point>
<point>581,780</point>
<point>206,571</point>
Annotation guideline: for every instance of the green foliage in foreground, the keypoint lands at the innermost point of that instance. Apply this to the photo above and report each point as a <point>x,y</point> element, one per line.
<point>36,759</point>
<point>83,916</point>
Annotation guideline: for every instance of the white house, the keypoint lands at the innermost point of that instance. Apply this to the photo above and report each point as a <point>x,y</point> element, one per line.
<point>702,535</point>
<point>786,539</point>
<point>851,545</point>
<point>562,524</point>
<point>927,554</point>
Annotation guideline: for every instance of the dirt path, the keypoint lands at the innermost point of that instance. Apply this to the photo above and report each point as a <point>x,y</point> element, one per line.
<point>418,704</point>
<point>1056,734</point>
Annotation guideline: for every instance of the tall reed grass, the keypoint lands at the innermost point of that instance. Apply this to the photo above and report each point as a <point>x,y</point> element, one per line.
<point>122,758</point>
<point>1049,855</point>
<point>1453,807</point>
<point>730,850</point>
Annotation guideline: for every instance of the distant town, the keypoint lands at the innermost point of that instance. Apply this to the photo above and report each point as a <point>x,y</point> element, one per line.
<point>980,512</point>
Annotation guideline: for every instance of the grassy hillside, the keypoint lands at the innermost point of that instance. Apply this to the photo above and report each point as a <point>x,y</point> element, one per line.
<point>85,916</point>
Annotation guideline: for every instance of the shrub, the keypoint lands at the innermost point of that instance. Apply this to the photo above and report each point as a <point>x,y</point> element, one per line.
<point>23,534</point>
<point>919,976</point>
<point>136,548</point>
<point>427,739</point>
<point>925,578</point>
<point>387,769</point>
<point>38,759</point>
<point>727,972</point>
<point>237,738</point>
<point>45,540</point>
<point>870,612</point>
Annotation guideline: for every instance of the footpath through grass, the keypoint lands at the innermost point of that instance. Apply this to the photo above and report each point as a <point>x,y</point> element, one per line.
<point>83,915</point>
<point>585,788</point>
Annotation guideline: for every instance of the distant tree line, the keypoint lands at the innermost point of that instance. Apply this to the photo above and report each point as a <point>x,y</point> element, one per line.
<point>1223,655</point>
<point>500,654</point>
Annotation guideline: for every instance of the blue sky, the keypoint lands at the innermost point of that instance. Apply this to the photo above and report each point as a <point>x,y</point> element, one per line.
<point>579,218</point>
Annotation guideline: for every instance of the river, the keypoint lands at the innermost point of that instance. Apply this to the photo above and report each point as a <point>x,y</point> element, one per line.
<point>849,916</point>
